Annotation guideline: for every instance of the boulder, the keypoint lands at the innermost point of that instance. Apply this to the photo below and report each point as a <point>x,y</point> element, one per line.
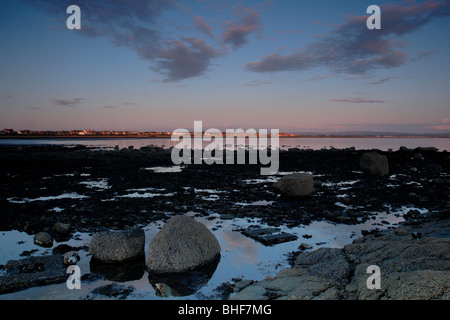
<point>295,185</point>
<point>183,244</point>
<point>43,239</point>
<point>117,246</point>
<point>374,163</point>
<point>61,227</point>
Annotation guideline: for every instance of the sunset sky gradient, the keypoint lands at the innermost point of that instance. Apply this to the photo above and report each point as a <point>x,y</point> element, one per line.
<point>297,66</point>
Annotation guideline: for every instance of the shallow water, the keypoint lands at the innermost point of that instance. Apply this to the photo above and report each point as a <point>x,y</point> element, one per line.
<point>241,257</point>
<point>383,144</point>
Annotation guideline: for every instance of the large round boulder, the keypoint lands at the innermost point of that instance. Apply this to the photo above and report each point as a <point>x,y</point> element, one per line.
<point>295,185</point>
<point>183,244</point>
<point>374,163</point>
<point>117,246</point>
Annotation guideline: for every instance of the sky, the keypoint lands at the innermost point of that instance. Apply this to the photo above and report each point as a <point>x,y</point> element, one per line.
<point>296,66</point>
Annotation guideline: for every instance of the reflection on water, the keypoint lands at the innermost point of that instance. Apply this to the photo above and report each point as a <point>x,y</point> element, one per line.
<point>183,284</point>
<point>120,272</point>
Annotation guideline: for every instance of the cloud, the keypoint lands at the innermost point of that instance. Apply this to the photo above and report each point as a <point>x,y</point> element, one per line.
<point>318,78</point>
<point>257,83</point>
<point>358,100</point>
<point>203,26</point>
<point>138,25</point>
<point>441,127</point>
<point>236,33</point>
<point>68,103</point>
<point>354,49</point>
<point>383,80</point>
<point>132,24</point>
<point>185,58</point>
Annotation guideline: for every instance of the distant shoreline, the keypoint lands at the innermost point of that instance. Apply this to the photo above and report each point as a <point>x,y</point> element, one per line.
<point>168,137</point>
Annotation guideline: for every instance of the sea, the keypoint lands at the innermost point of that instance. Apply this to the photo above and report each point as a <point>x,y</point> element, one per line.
<point>360,143</point>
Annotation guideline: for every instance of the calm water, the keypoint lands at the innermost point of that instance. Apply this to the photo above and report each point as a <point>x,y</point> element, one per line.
<point>383,144</point>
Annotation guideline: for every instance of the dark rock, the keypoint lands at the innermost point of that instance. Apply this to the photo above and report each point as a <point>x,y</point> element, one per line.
<point>117,246</point>
<point>113,290</point>
<point>61,227</point>
<point>33,271</point>
<point>374,163</point>
<point>295,185</point>
<point>317,183</point>
<point>418,156</point>
<point>325,262</point>
<point>43,239</point>
<point>268,236</point>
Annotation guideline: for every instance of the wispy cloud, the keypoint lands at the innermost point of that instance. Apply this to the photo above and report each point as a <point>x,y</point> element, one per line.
<point>68,103</point>
<point>383,80</point>
<point>318,78</point>
<point>203,26</point>
<point>353,49</point>
<point>358,100</point>
<point>444,125</point>
<point>257,83</point>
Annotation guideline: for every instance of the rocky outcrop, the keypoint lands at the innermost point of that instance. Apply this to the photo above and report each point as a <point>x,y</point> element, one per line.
<point>181,245</point>
<point>374,163</point>
<point>295,185</point>
<point>33,271</point>
<point>411,268</point>
<point>117,246</point>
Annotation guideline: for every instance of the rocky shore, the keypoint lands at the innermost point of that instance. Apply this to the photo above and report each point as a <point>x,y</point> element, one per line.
<point>414,262</point>
<point>95,190</point>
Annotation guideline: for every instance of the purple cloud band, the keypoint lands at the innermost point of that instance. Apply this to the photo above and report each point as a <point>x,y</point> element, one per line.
<point>68,103</point>
<point>353,49</point>
<point>358,100</point>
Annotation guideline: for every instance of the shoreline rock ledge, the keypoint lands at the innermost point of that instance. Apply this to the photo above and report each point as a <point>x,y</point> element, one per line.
<point>117,246</point>
<point>183,244</point>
